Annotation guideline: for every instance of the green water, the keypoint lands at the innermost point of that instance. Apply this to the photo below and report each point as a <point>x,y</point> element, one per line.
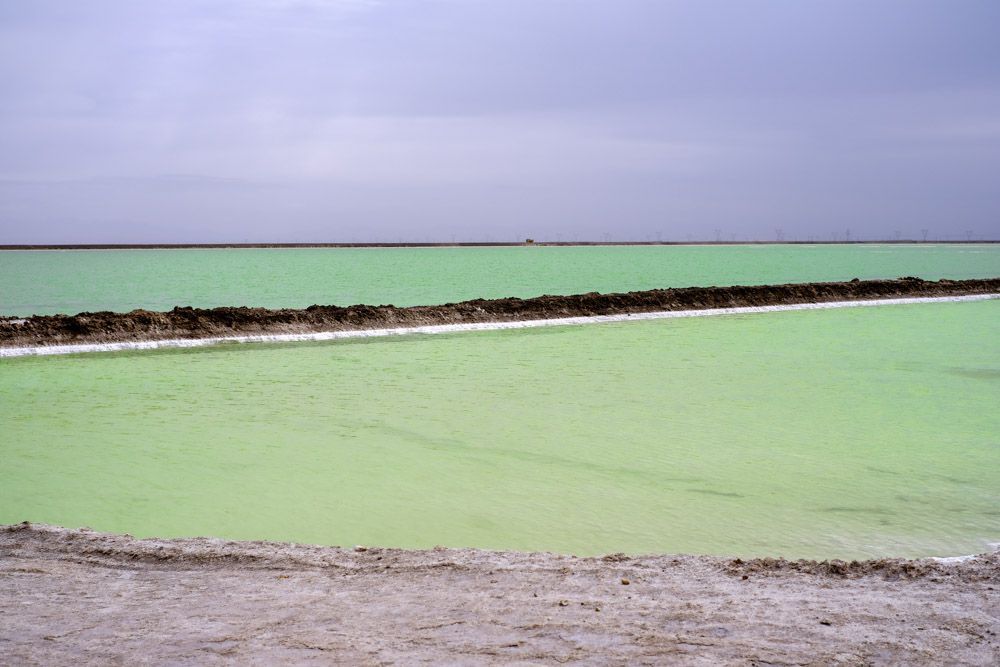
<point>837,433</point>
<point>48,282</point>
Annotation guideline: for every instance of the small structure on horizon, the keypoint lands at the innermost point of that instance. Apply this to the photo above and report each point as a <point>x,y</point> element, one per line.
<point>529,241</point>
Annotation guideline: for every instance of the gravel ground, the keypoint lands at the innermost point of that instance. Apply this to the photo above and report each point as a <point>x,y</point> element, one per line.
<point>81,597</point>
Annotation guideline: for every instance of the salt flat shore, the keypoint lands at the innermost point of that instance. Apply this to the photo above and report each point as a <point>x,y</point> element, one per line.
<point>83,597</point>
<point>185,323</point>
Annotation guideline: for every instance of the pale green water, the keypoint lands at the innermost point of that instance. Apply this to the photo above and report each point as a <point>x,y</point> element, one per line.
<point>844,433</point>
<point>48,282</point>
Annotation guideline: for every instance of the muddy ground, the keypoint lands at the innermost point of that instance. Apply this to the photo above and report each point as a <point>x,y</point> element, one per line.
<point>80,597</point>
<point>186,322</point>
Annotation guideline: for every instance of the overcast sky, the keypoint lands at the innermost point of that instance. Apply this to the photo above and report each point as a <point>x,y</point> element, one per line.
<point>370,120</point>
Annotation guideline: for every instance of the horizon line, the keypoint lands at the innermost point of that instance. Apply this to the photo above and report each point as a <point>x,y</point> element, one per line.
<point>465,244</point>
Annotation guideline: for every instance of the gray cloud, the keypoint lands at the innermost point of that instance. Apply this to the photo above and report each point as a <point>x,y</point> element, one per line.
<point>438,119</point>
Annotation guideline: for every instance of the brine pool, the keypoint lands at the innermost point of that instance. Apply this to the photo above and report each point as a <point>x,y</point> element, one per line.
<point>821,433</point>
<point>47,282</point>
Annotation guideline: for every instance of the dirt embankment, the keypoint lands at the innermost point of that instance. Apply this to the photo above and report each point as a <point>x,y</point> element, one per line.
<point>186,322</point>
<point>78,597</point>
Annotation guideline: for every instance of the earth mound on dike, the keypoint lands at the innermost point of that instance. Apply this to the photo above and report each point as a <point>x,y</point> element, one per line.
<point>82,597</point>
<point>187,322</point>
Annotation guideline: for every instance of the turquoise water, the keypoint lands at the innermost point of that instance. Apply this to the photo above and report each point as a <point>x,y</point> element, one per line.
<point>49,282</point>
<point>837,433</point>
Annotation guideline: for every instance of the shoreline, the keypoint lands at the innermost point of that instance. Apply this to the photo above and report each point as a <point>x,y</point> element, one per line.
<point>183,343</point>
<point>138,327</point>
<point>72,594</point>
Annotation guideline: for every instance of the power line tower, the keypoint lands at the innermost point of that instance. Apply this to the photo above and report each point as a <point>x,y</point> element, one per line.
<point>924,232</point>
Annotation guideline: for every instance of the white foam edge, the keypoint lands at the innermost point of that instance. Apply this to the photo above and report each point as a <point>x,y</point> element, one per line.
<point>953,560</point>
<point>45,350</point>
<point>958,560</point>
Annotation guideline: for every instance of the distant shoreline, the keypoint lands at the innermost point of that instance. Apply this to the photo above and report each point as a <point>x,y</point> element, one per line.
<point>469,244</point>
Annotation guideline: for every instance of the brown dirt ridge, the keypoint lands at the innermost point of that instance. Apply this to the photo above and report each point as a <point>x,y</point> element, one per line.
<point>81,597</point>
<point>187,322</point>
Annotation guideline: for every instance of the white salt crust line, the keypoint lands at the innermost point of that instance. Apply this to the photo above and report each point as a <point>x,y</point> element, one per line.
<point>957,560</point>
<point>953,560</point>
<point>45,350</point>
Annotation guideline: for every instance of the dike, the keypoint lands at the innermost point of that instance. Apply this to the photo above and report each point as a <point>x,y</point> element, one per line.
<point>193,323</point>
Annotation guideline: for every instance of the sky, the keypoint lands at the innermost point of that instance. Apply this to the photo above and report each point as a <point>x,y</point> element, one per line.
<point>493,120</point>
